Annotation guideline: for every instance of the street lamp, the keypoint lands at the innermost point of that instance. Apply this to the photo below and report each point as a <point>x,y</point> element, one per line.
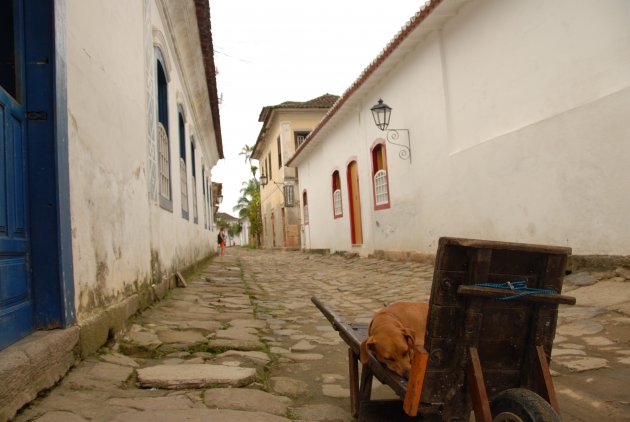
<point>219,199</point>
<point>381,113</point>
<point>264,179</point>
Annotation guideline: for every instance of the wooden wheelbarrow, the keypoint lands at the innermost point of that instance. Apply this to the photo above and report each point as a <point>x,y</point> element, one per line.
<point>488,344</point>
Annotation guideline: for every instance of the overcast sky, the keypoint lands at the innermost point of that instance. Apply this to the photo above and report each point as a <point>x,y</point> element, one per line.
<point>271,51</point>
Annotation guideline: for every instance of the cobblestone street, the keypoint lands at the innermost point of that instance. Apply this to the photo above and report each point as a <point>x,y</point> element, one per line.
<point>246,320</point>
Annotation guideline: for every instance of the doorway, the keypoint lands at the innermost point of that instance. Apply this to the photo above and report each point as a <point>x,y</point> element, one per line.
<point>356,228</point>
<point>16,304</point>
<point>36,290</point>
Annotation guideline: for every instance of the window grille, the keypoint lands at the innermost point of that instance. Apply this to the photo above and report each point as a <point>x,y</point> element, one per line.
<point>337,202</point>
<point>194,198</point>
<point>380,187</point>
<point>288,195</point>
<point>184,185</point>
<point>165,185</point>
<point>300,137</point>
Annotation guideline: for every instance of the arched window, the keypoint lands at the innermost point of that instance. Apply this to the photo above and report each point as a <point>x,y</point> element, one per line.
<point>183,171</point>
<point>164,158</point>
<point>336,191</point>
<point>305,207</point>
<point>380,179</point>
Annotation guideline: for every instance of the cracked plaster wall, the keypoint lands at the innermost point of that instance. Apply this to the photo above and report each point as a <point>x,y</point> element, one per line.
<point>122,241</point>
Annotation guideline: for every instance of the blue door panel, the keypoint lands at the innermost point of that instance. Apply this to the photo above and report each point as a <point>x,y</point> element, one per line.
<point>4,222</point>
<point>16,308</point>
<point>19,177</point>
<point>15,324</point>
<point>13,268</point>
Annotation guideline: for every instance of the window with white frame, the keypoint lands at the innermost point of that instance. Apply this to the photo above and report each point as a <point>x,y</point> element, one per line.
<point>379,177</point>
<point>380,186</point>
<point>288,195</point>
<point>300,137</point>
<point>336,188</point>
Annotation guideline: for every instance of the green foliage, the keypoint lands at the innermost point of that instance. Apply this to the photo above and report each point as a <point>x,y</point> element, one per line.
<point>248,205</point>
<point>247,152</point>
<point>235,229</point>
<point>223,224</point>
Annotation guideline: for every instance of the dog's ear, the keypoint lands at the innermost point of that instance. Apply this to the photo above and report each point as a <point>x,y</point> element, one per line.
<point>410,336</point>
<point>364,349</point>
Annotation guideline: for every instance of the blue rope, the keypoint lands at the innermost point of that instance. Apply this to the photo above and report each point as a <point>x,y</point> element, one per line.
<point>517,286</point>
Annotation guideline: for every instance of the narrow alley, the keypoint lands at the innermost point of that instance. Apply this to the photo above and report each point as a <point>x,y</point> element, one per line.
<point>246,320</point>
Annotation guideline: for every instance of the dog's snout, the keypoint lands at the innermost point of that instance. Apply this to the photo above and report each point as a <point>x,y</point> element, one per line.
<point>406,374</point>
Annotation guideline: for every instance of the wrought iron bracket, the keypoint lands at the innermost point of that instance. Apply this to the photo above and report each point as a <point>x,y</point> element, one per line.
<point>393,136</point>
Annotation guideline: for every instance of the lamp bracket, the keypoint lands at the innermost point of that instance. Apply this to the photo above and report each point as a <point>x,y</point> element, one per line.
<point>393,136</point>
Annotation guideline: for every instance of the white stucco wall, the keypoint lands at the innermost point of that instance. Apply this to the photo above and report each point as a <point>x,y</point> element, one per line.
<point>517,113</point>
<point>118,233</point>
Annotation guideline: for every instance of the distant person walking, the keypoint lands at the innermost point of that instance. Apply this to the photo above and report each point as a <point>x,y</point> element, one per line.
<point>221,241</point>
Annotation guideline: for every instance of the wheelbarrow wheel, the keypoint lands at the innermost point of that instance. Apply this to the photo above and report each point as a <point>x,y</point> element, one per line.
<point>522,405</point>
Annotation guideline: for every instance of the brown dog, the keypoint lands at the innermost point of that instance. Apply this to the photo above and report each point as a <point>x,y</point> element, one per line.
<point>393,332</point>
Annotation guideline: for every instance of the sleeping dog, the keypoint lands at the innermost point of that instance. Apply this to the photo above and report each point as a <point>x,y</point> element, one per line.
<point>393,332</point>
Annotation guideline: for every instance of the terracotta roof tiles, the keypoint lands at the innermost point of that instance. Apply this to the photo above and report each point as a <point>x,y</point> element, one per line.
<point>323,101</point>
<point>202,9</point>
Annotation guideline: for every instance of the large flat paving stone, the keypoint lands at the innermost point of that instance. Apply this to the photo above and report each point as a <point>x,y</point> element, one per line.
<point>152,403</point>
<point>118,359</point>
<point>184,338</point>
<point>321,412</point>
<point>244,358</point>
<point>249,323</point>
<point>581,364</point>
<point>60,416</point>
<point>177,377</point>
<point>203,327</point>
<point>139,343</point>
<point>603,294</point>
<point>246,399</point>
<point>97,376</point>
<point>199,415</point>
<point>237,334</point>
<point>228,344</point>
<point>580,328</point>
<point>289,387</point>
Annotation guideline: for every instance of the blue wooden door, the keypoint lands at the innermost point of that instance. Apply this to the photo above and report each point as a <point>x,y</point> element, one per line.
<point>16,310</point>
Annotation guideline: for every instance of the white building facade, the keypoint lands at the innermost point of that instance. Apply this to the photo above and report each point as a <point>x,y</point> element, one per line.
<point>142,142</point>
<point>112,130</point>
<point>516,116</point>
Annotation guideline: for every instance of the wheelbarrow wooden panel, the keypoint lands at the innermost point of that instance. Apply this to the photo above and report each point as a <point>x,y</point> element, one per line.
<point>503,331</point>
<point>479,345</point>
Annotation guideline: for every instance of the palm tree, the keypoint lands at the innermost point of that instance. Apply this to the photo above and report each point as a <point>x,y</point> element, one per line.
<point>248,205</point>
<point>247,152</point>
